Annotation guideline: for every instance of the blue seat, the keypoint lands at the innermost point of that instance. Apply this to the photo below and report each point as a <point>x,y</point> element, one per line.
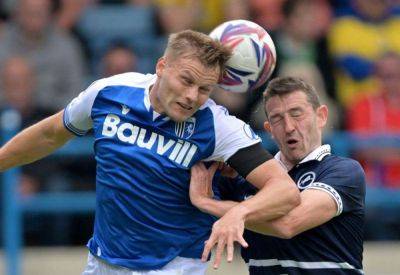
<point>102,25</point>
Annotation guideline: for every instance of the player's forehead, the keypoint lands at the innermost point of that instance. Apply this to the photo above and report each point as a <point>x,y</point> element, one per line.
<point>281,103</point>
<point>193,68</point>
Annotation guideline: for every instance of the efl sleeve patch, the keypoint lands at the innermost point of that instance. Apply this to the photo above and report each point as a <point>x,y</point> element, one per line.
<point>331,191</point>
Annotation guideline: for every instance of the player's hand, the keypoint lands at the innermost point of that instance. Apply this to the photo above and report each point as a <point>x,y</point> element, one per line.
<point>201,182</point>
<point>225,232</point>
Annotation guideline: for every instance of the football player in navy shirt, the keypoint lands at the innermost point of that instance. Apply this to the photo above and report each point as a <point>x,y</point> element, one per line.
<point>324,234</point>
<point>149,130</point>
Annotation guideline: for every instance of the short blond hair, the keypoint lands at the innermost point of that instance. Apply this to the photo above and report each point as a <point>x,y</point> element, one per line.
<point>192,44</point>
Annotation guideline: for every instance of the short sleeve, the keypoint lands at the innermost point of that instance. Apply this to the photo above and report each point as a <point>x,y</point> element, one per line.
<point>77,114</point>
<point>344,180</point>
<point>231,134</point>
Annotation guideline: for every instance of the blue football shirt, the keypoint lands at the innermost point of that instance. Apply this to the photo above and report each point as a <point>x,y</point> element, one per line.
<point>144,217</point>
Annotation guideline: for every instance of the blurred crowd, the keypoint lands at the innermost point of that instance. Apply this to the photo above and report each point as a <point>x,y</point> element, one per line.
<point>348,49</point>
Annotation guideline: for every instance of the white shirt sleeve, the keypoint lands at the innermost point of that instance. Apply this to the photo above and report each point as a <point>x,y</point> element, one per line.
<point>231,134</point>
<point>77,114</point>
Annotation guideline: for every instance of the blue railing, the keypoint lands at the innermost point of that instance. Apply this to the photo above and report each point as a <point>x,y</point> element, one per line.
<point>51,202</point>
<point>84,202</point>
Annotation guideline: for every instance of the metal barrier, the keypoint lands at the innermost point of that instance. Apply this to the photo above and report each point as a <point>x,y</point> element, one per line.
<point>83,202</point>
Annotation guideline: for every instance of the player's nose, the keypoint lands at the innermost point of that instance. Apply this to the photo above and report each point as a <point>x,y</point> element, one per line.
<point>192,93</point>
<point>289,124</point>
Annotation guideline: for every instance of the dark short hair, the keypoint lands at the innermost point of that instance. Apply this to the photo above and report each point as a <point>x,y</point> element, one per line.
<point>280,86</point>
<point>210,52</point>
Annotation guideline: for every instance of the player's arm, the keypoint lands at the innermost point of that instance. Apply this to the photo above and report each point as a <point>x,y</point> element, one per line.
<point>277,192</point>
<point>35,142</point>
<point>317,207</point>
<point>201,194</point>
<point>277,195</point>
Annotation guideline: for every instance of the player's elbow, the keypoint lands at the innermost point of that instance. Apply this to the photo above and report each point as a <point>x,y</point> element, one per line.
<point>286,229</point>
<point>286,233</point>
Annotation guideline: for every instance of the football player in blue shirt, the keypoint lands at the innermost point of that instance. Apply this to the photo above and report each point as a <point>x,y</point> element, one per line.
<point>149,130</point>
<point>324,234</point>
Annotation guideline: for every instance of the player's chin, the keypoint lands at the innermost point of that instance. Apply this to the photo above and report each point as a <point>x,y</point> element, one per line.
<point>182,115</point>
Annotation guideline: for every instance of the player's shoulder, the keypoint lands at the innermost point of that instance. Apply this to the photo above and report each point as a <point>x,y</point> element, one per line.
<point>215,108</point>
<point>336,160</point>
<point>344,166</point>
<point>220,114</point>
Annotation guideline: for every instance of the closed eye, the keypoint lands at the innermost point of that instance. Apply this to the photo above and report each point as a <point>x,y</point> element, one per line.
<point>187,81</point>
<point>275,119</point>
<point>296,112</point>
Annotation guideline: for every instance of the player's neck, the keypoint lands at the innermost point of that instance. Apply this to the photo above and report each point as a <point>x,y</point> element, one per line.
<point>154,100</point>
<point>288,164</point>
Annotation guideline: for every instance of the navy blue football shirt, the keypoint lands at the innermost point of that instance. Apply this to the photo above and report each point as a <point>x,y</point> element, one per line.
<point>335,247</point>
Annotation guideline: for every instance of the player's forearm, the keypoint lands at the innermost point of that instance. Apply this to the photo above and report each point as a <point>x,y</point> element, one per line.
<point>316,208</point>
<point>215,207</point>
<point>34,143</point>
<point>265,228</point>
<point>272,201</point>
<point>285,227</point>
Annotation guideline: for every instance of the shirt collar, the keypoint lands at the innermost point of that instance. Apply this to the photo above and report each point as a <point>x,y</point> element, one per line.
<point>318,154</point>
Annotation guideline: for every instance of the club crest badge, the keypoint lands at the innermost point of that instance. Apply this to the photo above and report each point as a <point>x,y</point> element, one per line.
<point>305,180</point>
<point>186,128</point>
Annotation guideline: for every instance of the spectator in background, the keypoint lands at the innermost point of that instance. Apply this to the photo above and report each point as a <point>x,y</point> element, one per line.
<point>55,55</point>
<point>362,33</point>
<point>177,15</point>
<point>117,60</point>
<point>17,91</point>
<point>301,50</point>
<point>267,13</point>
<point>17,83</point>
<point>379,114</point>
<point>236,9</point>
<point>210,14</point>
<point>68,12</point>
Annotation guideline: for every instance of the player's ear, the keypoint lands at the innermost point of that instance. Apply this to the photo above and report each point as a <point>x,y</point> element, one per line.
<point>267,126</point>
<point>160,66</point>
<point>322,115</point>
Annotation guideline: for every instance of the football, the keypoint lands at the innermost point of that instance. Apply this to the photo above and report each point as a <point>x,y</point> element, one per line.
<point>253,55</point>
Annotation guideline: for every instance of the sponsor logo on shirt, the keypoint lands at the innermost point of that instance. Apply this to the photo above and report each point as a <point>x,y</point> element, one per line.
<point>125,109</point>
<point>178,151</point>
<point>306,179</point>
